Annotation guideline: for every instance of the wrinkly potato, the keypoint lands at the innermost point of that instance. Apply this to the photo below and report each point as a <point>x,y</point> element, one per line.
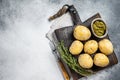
<point>106,46</point>
<point>90,46</point>
<point>76,47</point>
<point>101,60</point>
<point>85,61</point>
<point>81,33</point>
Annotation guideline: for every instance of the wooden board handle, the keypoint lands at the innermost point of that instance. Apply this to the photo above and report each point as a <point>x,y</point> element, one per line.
<point>74,14</point>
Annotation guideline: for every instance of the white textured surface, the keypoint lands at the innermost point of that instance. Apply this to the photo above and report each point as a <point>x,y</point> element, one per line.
<point>24,51</point>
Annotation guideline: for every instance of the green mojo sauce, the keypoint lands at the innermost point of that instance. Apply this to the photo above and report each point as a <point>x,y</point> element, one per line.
<point>99,28</point>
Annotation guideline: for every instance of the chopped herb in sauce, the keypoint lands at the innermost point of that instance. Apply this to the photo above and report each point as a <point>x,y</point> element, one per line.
<point>99,28</point>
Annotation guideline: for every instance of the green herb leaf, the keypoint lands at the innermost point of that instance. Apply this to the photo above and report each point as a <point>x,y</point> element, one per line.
<point>71,61</point>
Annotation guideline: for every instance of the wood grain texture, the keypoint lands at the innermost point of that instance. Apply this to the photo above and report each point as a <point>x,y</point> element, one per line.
<point>66,34</point>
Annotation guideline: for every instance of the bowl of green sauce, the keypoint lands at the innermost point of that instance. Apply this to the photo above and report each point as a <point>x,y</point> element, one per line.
<point>99,28</point>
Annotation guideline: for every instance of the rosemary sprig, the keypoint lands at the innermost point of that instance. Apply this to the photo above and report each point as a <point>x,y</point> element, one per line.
<point>71,61</point>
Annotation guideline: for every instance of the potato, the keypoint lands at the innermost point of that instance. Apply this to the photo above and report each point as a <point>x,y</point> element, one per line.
<point>76,47</point>
<point>101,60</point>
<point>85,61</point>
<point>106,46</point>
<point>90,46</point>
<point>81,33</point>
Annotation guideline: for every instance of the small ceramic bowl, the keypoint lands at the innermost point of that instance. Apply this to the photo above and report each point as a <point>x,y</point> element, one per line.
<point>106,32</point>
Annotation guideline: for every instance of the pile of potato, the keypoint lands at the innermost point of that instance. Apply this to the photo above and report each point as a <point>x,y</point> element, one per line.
<point>83,34</point>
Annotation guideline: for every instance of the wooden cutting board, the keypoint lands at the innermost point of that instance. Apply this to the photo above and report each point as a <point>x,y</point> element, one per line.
<point>66,34</point>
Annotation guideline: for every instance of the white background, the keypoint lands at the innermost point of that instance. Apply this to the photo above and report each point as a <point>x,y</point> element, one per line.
<point>24,50</point>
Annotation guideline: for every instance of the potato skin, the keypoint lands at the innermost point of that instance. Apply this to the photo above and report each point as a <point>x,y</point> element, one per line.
<point>91,47</point>
<point>106,46</point>
<point>81,33</point>
<point>76,47</point>
<point>85,60</point>
<point>101,60</point>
